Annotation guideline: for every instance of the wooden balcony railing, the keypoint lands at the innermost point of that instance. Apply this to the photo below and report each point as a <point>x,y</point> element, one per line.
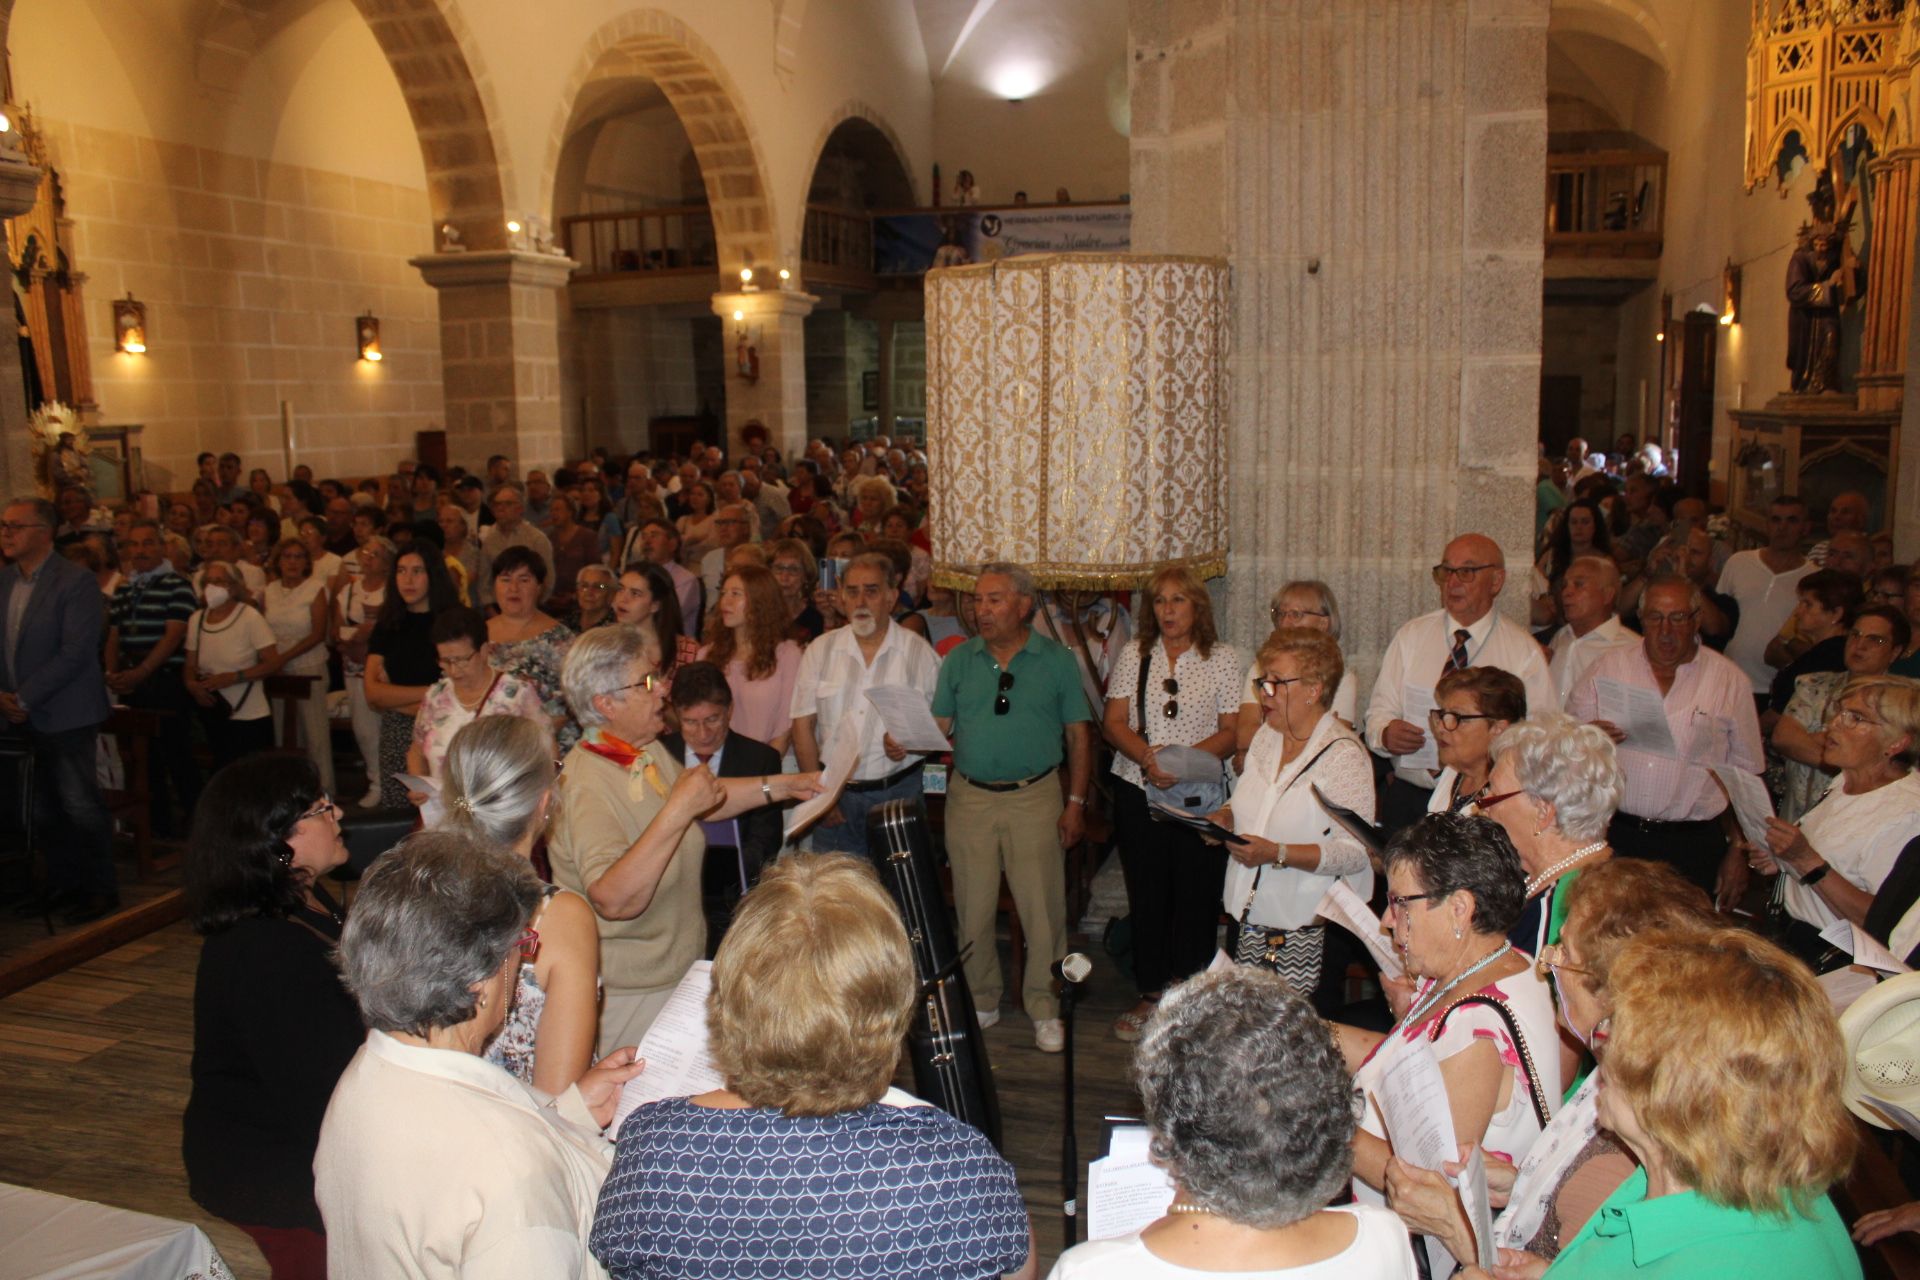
<point>668,241</point>
<point>1606,204</point>
<point>837,245</point>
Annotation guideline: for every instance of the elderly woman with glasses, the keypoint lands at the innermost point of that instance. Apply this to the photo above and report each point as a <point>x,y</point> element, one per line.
<point>272,1028</point>
<point>1738,1138</point>
<point>1252,1116</point>
<point>1840,852</point>
<point>1454,890</point>
<point>1575,1165</point>
<point>1304,603</point>
<point>1875,639</point>
<point>467,689</point>
<point>1472,707</point>
<point>804,1162</point>
<point>1554,788</point>
<point>1290,852</point>
<point>432,1160</point>
<point>593,589</point>
<point>627,835</point>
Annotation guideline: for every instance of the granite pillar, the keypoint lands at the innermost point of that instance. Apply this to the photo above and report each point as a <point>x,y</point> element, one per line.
<point>772,323</point>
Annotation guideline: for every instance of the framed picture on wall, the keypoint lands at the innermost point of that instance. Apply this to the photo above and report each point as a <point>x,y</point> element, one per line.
<point>870,391</point>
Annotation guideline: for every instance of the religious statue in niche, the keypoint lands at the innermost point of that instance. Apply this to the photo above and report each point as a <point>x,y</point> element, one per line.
<point>1821,283</point>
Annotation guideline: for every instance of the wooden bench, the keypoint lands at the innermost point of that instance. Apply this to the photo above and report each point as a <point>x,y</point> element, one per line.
<point>134,730</point>
<point>1875,1183</point>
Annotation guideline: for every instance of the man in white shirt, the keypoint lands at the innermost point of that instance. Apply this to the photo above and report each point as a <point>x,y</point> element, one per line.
<point>1765,584</point>
<point>1588,593</point>
<point>733,525</point>
<point>1672,809</point>
<point>1464,632</point>
<point>510,528</point>
<point>1847,513</point>
<point>835,673</point>
<point>769,500</point>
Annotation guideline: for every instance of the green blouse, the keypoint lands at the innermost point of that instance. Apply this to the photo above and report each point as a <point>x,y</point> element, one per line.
<point>1685,1236</point>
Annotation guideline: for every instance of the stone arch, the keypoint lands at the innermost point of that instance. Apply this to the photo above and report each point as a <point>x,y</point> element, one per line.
<point>663,49</point>
<point>852,109</point>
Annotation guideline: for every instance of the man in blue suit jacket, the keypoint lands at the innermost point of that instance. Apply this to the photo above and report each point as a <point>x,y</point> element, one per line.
<point>54,694</point>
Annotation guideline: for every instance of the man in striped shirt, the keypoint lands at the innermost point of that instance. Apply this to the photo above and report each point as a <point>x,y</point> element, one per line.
<point>146,629</point>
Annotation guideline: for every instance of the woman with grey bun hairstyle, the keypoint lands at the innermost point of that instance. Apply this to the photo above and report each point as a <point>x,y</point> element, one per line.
<point>1252,1115</point>
<point>498,778</point>
<point>431,1159</point>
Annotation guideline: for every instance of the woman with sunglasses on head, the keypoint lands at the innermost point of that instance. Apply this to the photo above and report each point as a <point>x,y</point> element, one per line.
<point>272,1027</point>
<point>1291,852</point>
<point>1178,684</point>
<point>1472,706</point>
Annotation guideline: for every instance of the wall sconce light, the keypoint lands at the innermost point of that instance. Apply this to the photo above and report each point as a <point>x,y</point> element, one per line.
<point>129,326</point>
<point>367,334</point>
<point>1730,294</point>
<point>746,281</point>
<point>746,353</point>
<point>786,277</point>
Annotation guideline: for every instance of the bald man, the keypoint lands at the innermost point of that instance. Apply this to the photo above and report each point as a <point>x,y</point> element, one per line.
<point>1589,599</point>
<point>1849,512</point>
<point>1464,632</point>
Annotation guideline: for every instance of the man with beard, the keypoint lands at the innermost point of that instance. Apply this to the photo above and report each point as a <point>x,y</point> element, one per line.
<point>1817,287</point>
<point>835,673</point>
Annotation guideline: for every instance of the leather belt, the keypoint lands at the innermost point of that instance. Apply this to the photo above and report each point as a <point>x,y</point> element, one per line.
<point>878,784</point>
<point>1009,786</point>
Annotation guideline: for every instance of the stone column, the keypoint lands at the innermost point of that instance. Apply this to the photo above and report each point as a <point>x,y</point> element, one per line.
<point>19,187</point>
<point>500,354</point>
<point>885,408</point>
<point>1375,173</point>
<point>772,321</point>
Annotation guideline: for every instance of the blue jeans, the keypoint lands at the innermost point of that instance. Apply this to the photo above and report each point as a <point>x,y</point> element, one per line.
<point>850,836</point>
<point>70,819</point>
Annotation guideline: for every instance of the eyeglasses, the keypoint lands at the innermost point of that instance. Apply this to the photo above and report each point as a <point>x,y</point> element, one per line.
<point>1597,1039</point>
<point>1445,573</point>
<point>10,526</point>
<point>528,942</point>
<point>1669,619</point>
<point>1272,687</point>
<point>1451,720</point>
<point>1171,688</point>
<point>1000,704</point>
<point>1295,615</point>
<point>1485,803</point>
<point>1397,902</point>
<point>323,806</point>
<point>647,682</point>
<point>786,570</point>
<point>1879,642</point>
<point>593,586</point>
<point>1553,957</point>
<point>460,662</point>
<point>1855,719</point>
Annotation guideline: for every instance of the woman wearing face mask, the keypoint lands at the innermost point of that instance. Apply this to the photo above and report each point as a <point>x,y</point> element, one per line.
<point>230,651</point>
<point>747,638</point>
<point>401,661</point>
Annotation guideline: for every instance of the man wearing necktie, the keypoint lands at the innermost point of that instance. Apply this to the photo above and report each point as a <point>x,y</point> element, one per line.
<point>1465,631</point>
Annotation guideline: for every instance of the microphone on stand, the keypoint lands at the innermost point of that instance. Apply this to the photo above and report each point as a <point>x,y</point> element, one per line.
<point>1071,970</point>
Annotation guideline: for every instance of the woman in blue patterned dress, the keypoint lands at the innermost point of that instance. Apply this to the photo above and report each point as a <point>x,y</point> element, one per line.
<point>527,641</point>
<point>498,787</point>
<point>805,1163</point>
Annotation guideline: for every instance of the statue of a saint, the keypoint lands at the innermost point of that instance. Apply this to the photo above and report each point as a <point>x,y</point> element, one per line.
<point>1820,282</point>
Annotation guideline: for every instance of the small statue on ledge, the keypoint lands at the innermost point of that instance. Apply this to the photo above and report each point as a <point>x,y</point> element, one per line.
<point>1820,283</point>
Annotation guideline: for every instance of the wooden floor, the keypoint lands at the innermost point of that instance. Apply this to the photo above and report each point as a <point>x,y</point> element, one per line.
<point>96,1068</point>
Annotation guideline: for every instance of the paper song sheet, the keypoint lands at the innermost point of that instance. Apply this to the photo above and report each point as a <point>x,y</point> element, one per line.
<point>1417,701</point>
<point>1863,947</point>
<point>1637,712</point>
<point>1125,1190</point>
<point>675,1049</point>
<point>1479,1207</point>
<point>1748,796</point>
<point>837,764</point>
<point>1412,1098</point>
<point>908,716</point>
<point>1844,986</point>
<point>1343,906</point>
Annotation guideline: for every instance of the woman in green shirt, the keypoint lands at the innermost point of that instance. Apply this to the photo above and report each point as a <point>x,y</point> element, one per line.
<point>1721,1073</point>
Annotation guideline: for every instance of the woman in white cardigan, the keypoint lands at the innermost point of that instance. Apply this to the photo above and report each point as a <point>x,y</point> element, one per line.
<point>434,1162</point>
<point>1292,851</point>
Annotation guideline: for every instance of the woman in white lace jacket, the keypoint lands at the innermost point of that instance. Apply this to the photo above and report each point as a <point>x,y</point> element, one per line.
<point>1293,851</point>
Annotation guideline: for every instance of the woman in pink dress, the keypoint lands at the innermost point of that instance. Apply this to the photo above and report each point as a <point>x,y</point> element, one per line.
<point>747,638</point>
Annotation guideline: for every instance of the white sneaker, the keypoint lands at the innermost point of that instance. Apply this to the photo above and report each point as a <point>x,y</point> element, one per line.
<point>1049,1035</point>
<point>987,1017</point>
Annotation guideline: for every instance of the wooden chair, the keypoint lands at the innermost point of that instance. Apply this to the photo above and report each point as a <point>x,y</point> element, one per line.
<point>1875,1184</point>
<point>291,691</point>
<point>134,730</point>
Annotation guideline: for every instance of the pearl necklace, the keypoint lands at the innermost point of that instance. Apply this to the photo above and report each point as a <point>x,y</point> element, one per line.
<point>1545,878</point>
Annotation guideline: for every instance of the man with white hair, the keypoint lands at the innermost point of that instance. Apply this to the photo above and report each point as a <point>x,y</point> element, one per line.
<point>835,673</point>
<point>1589,591</point>
<point>1673,810</point>
<point>1011,701</point>
<point>1849,512</point>
<point>1654,459</point>
<point>1465,631</point>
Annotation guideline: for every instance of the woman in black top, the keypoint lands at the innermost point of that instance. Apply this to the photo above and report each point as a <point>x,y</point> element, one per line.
<point>402,663</point>
<point>272,1026</point>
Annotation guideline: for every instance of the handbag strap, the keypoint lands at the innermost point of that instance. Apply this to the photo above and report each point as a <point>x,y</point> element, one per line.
<point>1140,696</point>
<point>1535,1094</point>
<point>1261,870</point>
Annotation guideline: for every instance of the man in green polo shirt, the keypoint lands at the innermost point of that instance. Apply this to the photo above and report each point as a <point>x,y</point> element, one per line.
<point>1012,702</point>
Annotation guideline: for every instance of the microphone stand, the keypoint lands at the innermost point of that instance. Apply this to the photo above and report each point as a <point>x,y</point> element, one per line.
<point>1065,969</point>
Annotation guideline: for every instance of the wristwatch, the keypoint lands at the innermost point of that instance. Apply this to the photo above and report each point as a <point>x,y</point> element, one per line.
<point>1813,877</point>
<point>766,790</point>
<point>1079,800</point>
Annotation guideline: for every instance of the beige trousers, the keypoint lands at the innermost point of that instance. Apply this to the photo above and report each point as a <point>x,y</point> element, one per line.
<point>626,1015</point>
<point>1015,834</point>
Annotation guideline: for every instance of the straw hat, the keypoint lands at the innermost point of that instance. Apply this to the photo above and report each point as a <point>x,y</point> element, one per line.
<point>1882,1034</point>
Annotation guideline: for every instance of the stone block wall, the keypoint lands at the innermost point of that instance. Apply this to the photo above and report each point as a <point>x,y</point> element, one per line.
<point>252,274</point>
<point>1373,171</point>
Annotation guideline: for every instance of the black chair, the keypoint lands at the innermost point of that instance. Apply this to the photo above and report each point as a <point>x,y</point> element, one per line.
<point>369,834</point>
<point>16,756</point>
